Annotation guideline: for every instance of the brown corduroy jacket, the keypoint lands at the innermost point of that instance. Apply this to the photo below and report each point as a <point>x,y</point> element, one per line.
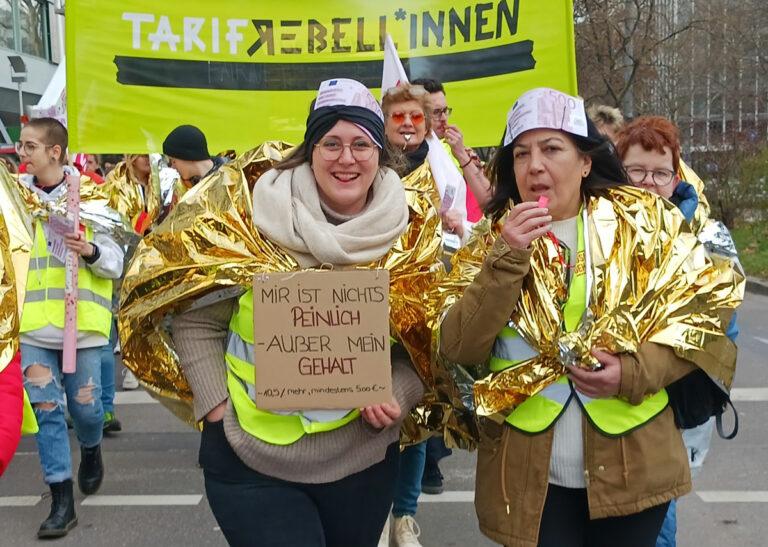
<point>624,475</point>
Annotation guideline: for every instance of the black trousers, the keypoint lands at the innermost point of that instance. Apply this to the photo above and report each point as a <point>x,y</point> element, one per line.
<point>565,523</point>
<point>436,451</point>
<point>253,509</point>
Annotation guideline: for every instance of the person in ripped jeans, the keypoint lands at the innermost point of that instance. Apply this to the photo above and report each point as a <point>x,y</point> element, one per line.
<point>43,149</point>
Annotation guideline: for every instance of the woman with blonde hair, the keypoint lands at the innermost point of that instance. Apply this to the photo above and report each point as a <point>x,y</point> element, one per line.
<point>608,119</point>
<point>408,124</point>
<point>138,167</point>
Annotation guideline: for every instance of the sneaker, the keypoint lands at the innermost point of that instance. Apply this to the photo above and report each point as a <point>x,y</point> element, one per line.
<point>406,532</point>
<point>111,423</point>
<point>384,539</point>
<point>129,380</point>
<point>432,480</point>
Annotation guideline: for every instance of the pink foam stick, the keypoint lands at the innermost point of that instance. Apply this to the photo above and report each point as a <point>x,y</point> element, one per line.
<point>543,202</point>
<point>69,353</point>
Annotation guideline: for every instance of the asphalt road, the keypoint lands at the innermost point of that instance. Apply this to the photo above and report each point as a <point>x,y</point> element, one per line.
<point>153,492</point>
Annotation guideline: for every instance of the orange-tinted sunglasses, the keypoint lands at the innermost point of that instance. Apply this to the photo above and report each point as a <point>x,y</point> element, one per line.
<point>417,118</point>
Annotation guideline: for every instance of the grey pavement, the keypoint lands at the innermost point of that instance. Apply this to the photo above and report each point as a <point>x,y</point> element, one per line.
<point>156,455</point>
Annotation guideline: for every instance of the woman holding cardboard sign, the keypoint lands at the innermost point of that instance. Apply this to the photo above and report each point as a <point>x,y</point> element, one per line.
<point>304,478</point>
<point>584,310</point>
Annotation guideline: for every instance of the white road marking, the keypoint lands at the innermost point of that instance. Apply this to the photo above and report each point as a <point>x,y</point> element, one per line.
<point>19,501</point>
<point>733,496</point>
<point>763,340</point>
<point>455,496</point>
<point>748,394</point>
<point>450,496</point>
<point>138,397</point>
<point>103,501</point>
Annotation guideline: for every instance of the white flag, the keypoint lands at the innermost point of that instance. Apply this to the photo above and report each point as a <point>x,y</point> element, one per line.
<point>393,72</point>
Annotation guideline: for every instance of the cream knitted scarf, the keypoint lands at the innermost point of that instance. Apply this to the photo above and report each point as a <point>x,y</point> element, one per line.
<point>287,210</point>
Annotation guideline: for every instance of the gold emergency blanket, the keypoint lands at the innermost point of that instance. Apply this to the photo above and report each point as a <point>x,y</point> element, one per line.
<point>9,316</point>
<point>17,223</point>
<point>653,280</point>
<point>144,207</point>
<point>21,206</point>
<point>126,197</point>
<point>208,243</point>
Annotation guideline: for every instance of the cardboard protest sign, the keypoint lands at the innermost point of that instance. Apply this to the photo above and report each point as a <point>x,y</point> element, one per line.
<point>245,71</point>
<point>321,339</point>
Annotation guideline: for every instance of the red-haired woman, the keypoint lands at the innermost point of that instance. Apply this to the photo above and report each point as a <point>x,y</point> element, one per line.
<point>650,148</point>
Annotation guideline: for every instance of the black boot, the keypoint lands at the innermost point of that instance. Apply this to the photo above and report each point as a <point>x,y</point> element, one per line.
<point>91,470</point>
<point>62,517</point>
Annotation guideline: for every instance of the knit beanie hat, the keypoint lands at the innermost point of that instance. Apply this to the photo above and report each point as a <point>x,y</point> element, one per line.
<point>186,142</point>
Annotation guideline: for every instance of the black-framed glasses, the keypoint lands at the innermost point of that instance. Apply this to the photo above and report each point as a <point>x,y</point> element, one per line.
<point>437,112</point>
<point>331,149</point>
<point>661,177</point>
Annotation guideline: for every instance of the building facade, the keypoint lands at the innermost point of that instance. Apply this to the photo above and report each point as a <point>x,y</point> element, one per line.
<point>33,30</point>
<point>712,78</point>
<point>701,63</point>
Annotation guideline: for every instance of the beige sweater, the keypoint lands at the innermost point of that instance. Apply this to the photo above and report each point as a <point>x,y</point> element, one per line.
<point>566,467</point>
<point>200,337</point>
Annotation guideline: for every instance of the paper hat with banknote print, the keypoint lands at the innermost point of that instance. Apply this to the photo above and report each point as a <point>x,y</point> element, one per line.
<point>344,99</point>
<point>347,92</point>
<point>545,108</point>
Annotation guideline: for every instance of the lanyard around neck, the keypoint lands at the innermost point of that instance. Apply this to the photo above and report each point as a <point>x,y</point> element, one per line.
<point>580,283</point>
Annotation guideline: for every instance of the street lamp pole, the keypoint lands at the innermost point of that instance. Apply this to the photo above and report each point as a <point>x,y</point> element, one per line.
<point>18,75</point>
<point>21,106</point>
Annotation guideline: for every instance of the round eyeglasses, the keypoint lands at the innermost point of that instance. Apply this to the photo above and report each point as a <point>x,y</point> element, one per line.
<point>660,177</point>
<point>331,149</point>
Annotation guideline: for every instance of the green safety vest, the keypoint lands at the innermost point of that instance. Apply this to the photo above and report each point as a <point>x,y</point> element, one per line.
<point>270,427</point>
<point>44,299</point>
<point>611,416</point>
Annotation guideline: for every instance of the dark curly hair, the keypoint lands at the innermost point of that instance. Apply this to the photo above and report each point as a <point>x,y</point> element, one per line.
<point>607,170</point>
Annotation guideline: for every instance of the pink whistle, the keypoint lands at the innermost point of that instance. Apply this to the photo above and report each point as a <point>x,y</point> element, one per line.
<point>543,202</point>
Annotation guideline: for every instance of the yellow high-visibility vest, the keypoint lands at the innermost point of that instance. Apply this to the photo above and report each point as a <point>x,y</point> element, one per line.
<point>611,416</point>
<point>273,428</point>
<point>44,299</point>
